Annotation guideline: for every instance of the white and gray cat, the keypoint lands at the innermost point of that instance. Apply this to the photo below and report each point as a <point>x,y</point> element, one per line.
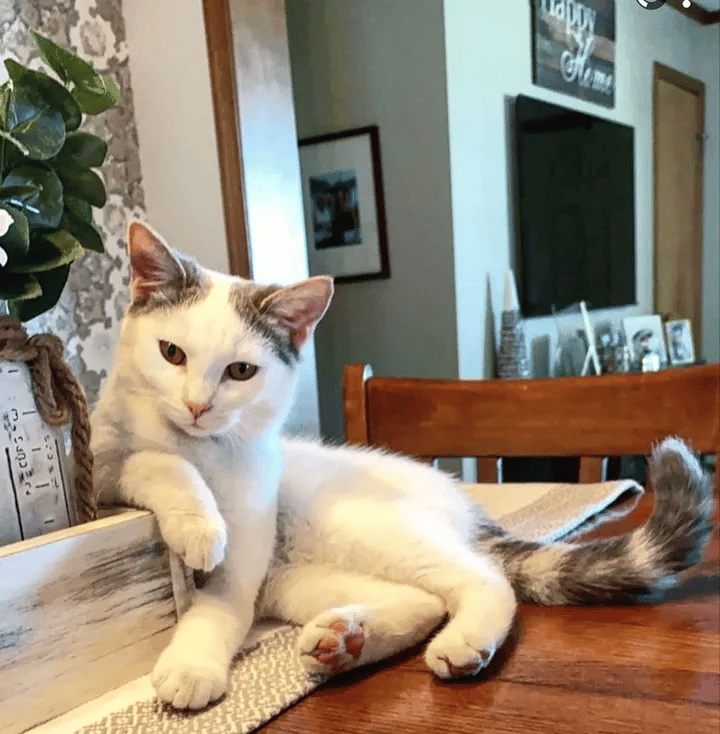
<point>369,551</point>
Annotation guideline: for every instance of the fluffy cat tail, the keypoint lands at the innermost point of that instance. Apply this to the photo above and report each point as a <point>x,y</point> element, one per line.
<point>625,568</point>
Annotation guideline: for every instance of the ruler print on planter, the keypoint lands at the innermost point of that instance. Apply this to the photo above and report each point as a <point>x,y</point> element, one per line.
<point>33,481</point>
<point>574,48</point>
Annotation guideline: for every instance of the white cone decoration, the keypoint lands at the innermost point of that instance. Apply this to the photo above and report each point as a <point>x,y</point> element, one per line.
<point>512,359</point>
<point>511,297</point>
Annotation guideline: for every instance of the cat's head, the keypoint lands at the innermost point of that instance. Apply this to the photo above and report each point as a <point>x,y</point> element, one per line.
<point>213,352</point>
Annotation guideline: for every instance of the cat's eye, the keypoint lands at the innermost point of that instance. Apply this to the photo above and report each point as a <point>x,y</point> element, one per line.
<point>172,353</point>
<point>241,371</point>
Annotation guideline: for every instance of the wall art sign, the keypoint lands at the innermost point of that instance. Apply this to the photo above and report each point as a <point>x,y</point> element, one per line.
<point>574,48</point>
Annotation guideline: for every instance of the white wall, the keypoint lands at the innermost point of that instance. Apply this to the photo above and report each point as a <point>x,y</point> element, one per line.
<point>179,158</point>
<point>176,128</point>
<point>361,62</point>
<point>480,77</point>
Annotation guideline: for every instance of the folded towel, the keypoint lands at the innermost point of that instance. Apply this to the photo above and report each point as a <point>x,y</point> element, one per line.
<point>267,676</point>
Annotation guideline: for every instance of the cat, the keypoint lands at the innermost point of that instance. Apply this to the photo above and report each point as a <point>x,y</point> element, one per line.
<point>371,552</point>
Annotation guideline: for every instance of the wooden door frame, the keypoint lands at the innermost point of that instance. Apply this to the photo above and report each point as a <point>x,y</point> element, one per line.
<point>221,59</point>
<point>695,86</point>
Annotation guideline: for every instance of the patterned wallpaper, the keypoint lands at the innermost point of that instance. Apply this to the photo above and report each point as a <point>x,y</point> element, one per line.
<point>87,318</point>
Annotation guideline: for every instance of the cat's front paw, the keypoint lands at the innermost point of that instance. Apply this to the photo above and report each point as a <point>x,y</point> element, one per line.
<point>187,681</point>
<point>199,539</point>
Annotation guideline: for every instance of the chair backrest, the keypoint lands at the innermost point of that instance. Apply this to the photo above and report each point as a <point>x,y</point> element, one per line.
<point>587,417</point>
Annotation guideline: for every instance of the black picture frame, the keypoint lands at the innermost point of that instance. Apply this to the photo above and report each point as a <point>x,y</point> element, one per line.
<point>344,205</point>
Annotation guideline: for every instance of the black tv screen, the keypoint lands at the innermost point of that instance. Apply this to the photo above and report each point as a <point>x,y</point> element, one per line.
<point>576,208</point>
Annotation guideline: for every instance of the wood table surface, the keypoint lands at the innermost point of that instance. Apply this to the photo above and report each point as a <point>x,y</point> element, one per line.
<point>651,668</point>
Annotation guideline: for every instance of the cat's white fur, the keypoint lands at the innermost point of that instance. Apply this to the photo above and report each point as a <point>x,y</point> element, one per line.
<point>212,486</point>
<point>357,524</point>
<point>369,551</point>
<point>385,542</point>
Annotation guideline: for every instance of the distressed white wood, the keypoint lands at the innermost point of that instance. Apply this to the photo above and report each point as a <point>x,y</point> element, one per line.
<point>34,496</point>
<point>82,611</point>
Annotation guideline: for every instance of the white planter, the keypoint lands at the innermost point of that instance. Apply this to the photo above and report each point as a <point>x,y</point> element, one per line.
<point>35,495</point>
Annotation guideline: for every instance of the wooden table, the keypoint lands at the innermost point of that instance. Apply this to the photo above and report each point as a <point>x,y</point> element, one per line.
<point>612,670</point>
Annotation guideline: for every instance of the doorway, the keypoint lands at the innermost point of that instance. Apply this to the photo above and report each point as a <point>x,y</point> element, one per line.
<point>678,139</point>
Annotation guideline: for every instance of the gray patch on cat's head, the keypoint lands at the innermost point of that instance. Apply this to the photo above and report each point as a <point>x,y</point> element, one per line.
<point>250,302</point>
<point>190,286</point>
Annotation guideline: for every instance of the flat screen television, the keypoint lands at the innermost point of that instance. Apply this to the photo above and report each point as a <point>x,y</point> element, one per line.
<point>576,208</point>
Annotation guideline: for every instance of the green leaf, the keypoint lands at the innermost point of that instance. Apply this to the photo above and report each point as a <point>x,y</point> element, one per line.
<point>7,192</point>
<point>44,206</point>
<point>55,96</point>
<point>13,156</point>
<point>51,284</point>
<point>52,54</point>
<point>68,66</point>
<point>38,127</point>
<point>49,251</point>
<point>85,149</point>
<point>17,239</point>
<point>81,182</point>
<point>18,287</point>
<point>92,92</point>
<point>4,99</point>
<point>15,144</point>
<point>94,103</point>
<point>84,232</point>
<point>79,207</point>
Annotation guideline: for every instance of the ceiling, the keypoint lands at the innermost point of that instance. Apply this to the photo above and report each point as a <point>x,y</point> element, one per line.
<point>709,4</point>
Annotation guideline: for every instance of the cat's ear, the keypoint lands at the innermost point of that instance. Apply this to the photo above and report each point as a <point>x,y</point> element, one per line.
<point>299,307</point>
<point>153,266</point>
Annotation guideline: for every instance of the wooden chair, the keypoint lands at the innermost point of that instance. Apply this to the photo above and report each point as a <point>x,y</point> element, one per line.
<point>587,417</point>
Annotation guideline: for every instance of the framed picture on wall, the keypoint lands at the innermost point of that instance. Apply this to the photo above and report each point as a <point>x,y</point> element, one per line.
<point>574,48</point>
<point>344,206</point>
<point>680,341</point>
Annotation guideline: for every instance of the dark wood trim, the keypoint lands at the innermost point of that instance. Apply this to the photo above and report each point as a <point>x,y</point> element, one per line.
<point>696,12</point>
<point>677,78</point>
<point>488,469</point>
<point>374,133</point>
<point>695,86</point>
<point>592,469</point>
<point>355,377</point>
<point>218,33</point>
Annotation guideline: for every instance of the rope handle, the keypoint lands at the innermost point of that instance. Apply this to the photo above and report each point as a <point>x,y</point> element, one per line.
<point>58,397</point>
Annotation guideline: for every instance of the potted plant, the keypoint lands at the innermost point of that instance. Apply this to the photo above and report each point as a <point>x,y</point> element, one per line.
<point>48,188</point>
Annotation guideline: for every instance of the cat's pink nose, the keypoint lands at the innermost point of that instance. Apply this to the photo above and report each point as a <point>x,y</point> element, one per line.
<point>197,409</point>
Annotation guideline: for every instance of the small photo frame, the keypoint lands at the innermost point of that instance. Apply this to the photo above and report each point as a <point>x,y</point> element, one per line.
<point>644,335</point>
<point>344,205</point>
<point>680,341</point>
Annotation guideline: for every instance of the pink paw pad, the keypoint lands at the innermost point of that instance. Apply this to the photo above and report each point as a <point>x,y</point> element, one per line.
<point>469,669</point>
<point>341,650</point>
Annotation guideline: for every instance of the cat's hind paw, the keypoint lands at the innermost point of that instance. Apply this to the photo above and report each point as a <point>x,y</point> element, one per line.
<point>199,539</point>
<point>188,683</point>
<point>333,642</point>
<point>450,656</point>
